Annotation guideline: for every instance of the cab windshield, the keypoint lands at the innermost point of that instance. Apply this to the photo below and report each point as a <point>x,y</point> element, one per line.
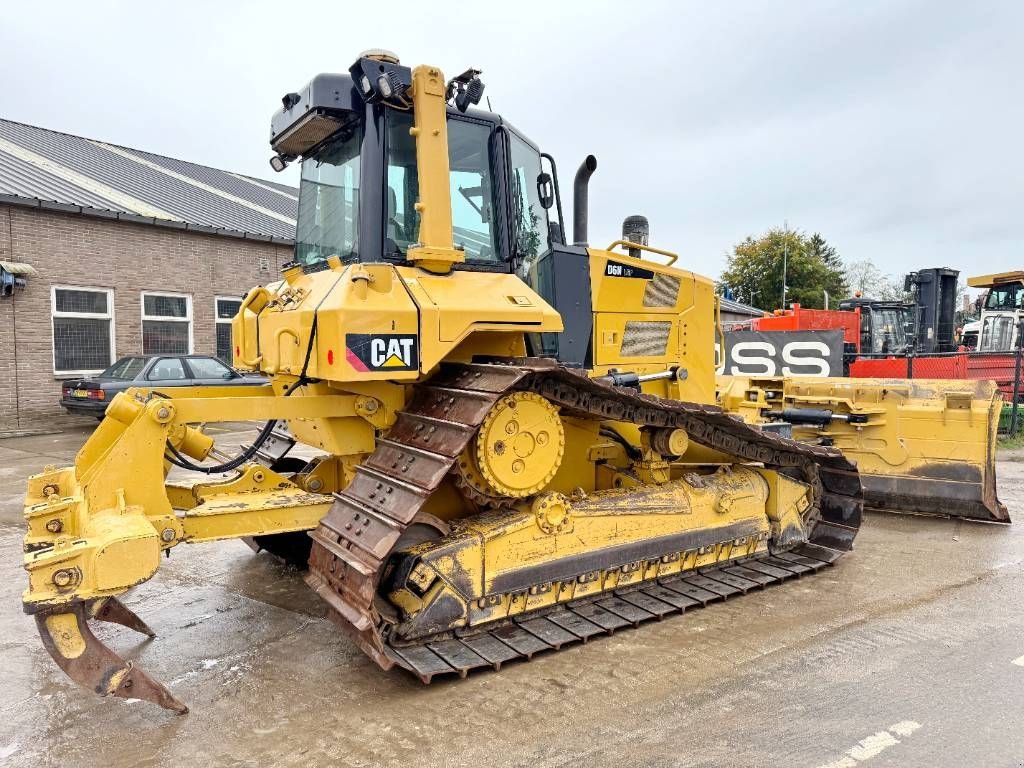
<point>887,331</point>
<point>997,333</point>
<point>1005,297</point>
<point>329,200</point>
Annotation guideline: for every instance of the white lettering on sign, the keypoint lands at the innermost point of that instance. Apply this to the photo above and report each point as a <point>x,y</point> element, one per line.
<point>758,358</point>
<point>745,354</point>
<point>383,350</point>
<point>406,353</point>
<point>806,361</point>
<point>378,352</point>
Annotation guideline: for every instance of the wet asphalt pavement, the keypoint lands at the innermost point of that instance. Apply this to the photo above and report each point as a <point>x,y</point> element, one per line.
<point>910,652</point>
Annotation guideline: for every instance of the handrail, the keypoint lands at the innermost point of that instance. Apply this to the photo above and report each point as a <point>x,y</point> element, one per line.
<point>673,257</point>
<point>257,295</point>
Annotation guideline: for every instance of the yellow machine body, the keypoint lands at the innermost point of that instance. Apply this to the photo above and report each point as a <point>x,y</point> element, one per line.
<point>465,481</point>
<point>921,446</point>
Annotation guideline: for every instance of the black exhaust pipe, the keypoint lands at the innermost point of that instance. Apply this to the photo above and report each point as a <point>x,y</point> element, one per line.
<point>581,200</point>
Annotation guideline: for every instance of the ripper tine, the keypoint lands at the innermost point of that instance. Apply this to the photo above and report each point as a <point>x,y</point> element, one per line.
<point>91,664</point>
<point>113,610</point>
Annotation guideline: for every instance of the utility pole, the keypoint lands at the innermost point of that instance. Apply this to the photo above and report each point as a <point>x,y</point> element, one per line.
<point>826,299</point>
<point>785,258</point>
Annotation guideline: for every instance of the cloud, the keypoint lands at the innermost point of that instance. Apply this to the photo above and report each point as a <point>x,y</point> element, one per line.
<point>890,127</point>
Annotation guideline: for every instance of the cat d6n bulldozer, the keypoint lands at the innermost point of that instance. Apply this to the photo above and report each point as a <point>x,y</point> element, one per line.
<point>517,442</point>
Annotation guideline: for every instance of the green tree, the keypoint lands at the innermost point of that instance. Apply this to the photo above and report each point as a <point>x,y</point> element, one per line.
<point>817,246</point>
<point>754,270</point>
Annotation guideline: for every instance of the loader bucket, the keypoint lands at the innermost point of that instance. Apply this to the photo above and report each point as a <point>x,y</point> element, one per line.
<point>922,446</point>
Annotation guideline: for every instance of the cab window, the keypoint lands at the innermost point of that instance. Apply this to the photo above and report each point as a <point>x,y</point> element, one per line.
<point>328,219</point>
<point>1004,297</point>
<point>471,183</point>
<point>530,236</point>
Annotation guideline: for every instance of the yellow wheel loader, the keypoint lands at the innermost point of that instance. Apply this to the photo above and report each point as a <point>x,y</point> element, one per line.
<point>518,442</point>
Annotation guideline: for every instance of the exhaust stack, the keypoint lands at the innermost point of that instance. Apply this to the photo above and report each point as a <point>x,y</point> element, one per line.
<point>581,200</point>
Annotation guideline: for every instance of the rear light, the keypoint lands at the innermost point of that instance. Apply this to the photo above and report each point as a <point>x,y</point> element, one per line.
<point>66,392</point>
<point>97,394</point>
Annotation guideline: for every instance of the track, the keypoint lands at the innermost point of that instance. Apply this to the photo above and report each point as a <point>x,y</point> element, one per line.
<point>358,534</point>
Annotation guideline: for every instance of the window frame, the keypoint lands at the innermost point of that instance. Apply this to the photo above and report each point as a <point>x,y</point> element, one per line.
<point>54,313</point>
<point>218,320</point>
<point>160,318</point>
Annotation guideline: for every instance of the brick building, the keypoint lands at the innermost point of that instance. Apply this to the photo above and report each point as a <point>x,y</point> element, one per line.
<point>117,252</point>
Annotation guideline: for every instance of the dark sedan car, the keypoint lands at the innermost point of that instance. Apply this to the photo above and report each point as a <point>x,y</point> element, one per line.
<point>90,397</point>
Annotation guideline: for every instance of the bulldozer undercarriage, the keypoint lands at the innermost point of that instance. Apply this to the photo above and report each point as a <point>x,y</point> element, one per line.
<point>401,581</point>
<point>557,603</point>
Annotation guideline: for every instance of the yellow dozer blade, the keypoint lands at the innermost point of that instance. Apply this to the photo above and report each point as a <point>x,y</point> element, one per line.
<point>922,446</point>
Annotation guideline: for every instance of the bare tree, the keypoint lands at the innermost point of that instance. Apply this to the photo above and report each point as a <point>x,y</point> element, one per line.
<point>872,282</point>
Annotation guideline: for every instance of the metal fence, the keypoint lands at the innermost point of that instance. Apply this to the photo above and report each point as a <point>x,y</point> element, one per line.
<point>1004,368</point>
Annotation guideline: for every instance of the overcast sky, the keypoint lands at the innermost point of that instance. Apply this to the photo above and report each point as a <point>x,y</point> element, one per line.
<point>893,128</point>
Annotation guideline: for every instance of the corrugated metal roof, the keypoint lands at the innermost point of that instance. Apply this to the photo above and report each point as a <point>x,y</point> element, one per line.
<point>18,177</point>
<point>728,305</point>
<point>51,167</point>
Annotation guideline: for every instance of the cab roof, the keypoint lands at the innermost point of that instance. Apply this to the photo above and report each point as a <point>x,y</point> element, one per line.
<point>997,278</point>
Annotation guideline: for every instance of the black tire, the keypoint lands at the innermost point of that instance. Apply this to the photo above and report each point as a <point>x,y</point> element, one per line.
<point>293,547</point>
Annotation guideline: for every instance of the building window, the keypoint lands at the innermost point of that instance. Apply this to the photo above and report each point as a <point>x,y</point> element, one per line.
<point>225,308</point>
<point>166,324</point>
<point>83,329</point>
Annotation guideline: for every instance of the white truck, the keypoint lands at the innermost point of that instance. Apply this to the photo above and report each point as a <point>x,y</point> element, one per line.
<point>1001,314</point>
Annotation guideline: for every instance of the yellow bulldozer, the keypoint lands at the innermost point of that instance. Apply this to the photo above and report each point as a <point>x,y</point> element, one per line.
<point>518,442</point>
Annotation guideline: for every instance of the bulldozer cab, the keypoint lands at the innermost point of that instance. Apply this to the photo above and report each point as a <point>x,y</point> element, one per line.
<point>360,195</point>
<point>1002,311</point>
<point>361,180</point>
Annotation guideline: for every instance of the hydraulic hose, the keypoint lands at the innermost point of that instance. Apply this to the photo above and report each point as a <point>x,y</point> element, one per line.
<point>228,466</point>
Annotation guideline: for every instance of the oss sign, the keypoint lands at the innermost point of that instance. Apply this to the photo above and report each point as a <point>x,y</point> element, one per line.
<point>783,353</point>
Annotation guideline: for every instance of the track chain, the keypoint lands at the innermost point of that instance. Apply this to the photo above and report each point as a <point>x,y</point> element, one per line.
<point>355,539</point>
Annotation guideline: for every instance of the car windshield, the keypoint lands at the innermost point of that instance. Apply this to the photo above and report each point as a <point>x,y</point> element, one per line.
<point>127,368</point>
<point>329,200</point>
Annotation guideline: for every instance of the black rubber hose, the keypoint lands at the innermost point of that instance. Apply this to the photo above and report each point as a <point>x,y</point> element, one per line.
<point>180,461</point>
<point>631,450</point>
